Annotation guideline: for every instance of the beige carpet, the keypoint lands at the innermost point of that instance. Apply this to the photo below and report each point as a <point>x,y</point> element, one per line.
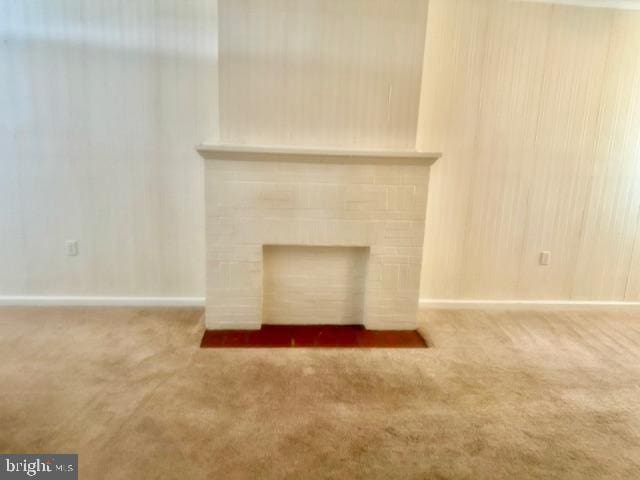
<point>500,396</point>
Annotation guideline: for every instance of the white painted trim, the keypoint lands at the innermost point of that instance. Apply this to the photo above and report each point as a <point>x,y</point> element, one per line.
<point>445,304</point>
<point>92,301</point>
<point>391,326</point>
<point>229,152</point>
<point>426,303</point>
<point>615,4</point>
<point>232,325</point>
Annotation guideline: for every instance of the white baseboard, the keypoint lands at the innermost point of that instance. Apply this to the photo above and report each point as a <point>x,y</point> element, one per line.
<point>91,301</point>
<point>433,304</point>
<point>445,304</point>
<point>232,325</point>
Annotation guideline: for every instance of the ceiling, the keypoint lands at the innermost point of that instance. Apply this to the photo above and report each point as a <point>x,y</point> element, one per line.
<point>622,4</point>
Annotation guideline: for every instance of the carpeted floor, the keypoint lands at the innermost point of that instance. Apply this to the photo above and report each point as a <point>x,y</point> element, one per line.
<point>500,396</point>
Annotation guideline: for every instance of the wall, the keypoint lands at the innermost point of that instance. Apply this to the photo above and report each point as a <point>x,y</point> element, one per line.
<point>100,108</point>
<point>537,110</point>
<point>321,73</point>
<point>102,102</point>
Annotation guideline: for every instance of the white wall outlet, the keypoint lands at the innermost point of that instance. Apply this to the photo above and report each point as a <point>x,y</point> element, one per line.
<point>72,248</point>
<point>545,258</point>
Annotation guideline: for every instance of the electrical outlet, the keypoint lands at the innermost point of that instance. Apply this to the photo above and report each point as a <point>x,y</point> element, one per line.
<point>72,248</point>
<point>545,258</point>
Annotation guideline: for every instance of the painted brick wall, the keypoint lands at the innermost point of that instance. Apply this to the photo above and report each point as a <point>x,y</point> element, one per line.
<point>326,284</point>
<point>374,203</point>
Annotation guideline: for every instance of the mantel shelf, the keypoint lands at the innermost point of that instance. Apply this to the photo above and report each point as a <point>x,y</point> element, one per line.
<point>256,152</point>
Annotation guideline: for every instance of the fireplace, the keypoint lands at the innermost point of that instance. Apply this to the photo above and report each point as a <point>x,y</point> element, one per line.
<point>310,236</point>
<point>326,284</point>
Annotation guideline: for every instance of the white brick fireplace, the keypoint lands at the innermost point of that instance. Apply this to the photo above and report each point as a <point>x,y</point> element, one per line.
<point>310,236</point>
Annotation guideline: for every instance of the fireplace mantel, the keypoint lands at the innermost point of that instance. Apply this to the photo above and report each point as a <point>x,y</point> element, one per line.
<point>265,152</point>
<point>313,235</point>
